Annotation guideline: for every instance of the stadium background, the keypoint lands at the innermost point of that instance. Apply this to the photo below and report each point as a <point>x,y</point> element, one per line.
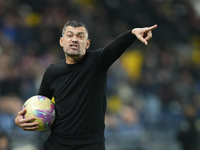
<point>153,91</point>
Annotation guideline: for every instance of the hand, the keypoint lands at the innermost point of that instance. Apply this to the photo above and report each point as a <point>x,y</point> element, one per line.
<point>25,124</point>
<point>144,34</point>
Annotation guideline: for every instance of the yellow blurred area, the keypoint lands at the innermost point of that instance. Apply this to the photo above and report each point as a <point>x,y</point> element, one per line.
<point>196,56</point>
<point>195,42</point>
<point>114,103</point>
<point>33,19</point>
<point>53,100</point>
<point>132,62</point>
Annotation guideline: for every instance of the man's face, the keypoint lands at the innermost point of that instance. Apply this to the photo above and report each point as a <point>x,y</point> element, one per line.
<point>75,41</point>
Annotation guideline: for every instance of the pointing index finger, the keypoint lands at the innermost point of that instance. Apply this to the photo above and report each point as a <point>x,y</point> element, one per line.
<point>152,27</point>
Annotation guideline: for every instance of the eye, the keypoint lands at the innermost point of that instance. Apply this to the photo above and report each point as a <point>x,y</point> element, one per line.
<point>69,35</point>
<point>80,36</point>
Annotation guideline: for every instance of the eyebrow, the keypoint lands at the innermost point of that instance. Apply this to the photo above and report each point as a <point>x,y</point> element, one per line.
<point>77,33</point>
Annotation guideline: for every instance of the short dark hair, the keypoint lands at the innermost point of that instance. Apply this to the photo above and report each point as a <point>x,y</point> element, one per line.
<point>74,24</point>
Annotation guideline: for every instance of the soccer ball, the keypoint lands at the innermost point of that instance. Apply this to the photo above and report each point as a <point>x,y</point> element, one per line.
<point>42,109</point>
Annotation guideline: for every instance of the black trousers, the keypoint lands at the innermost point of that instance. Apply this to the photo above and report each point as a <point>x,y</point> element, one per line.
<point>49,145</point>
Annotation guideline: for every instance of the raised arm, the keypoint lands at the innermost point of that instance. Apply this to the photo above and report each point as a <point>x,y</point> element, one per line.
<point>116,48</point>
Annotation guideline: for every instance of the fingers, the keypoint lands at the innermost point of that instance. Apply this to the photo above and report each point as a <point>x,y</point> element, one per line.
<point>152,27</point>
<point>148,33</point>
<point>31,119</point>
<point>144,34</point>
<point>22,112</point>
<point>30,126</point>
<point>26,124</point>
<point>148,36</point>
<point>143,40</point>
<point>145,37</point>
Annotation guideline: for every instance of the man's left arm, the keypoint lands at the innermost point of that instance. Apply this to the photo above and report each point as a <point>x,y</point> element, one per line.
<point>116,48</point>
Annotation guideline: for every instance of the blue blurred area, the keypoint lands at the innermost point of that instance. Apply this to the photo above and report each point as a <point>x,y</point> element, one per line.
<point>153,91</point>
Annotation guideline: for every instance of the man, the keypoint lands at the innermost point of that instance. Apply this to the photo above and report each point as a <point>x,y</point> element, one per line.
<point>78,84</point>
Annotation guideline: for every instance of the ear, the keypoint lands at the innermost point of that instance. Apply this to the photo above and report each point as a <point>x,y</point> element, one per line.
<point>61,41</point>
<point>88,44</point>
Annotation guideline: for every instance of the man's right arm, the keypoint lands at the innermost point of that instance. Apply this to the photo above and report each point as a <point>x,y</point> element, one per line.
<point>44,89</point>
<point>27,124</point>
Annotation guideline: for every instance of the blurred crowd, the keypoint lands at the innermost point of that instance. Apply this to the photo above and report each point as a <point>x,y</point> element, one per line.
<point>153,91</point>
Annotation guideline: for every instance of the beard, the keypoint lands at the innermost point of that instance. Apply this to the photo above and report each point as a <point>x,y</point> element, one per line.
<point>72,52</point>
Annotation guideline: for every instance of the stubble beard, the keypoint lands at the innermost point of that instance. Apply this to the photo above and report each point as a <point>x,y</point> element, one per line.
<point>71,52</point>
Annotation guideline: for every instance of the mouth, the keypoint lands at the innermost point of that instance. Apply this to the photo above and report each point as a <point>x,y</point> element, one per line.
<point>73,46</point>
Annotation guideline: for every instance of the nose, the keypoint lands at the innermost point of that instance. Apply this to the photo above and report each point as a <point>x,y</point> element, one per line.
<point>74,39</point>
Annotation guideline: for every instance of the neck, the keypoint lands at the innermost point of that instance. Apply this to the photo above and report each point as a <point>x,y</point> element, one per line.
<point>73,59</point>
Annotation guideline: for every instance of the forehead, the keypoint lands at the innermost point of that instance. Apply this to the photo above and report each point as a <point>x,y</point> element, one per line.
<point>75,30</point>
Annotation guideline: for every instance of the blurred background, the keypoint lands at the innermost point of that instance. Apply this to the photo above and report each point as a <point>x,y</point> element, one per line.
<point>153,91</point>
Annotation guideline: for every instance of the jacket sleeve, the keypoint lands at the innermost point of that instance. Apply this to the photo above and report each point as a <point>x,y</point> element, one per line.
<point>44,89</point>
<point>116,48</point>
